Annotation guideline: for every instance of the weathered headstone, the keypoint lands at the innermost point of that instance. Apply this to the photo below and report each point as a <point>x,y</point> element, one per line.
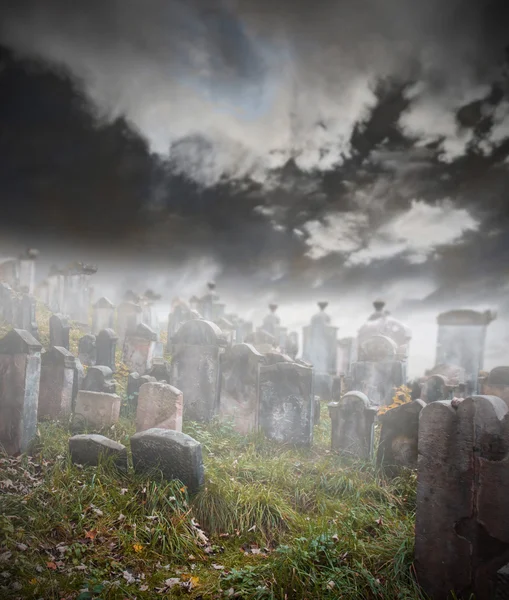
<point>128,318</point>
<point>286,403</point>
<point>292,344</point>
<point>56,387</point>
<point>77,292</point>
<point>96,409</point>
<point>497,383</point>
<point>160,405</point>
<point>161,370</point>
<point>87,350</point>
<point>462,527</point>
<point>352,425</point>
<point>239,386</point>
<point>317,410</point>
<point>106,347</point>
<point>20,372</point>
<point>27,319</point>
<point>345,355</point>
<point>59,329</point>
<point>443,382</point>
<point>99,379</point>
<point>399,436</point>
<point>103,316</point>
<point>320,349</point>
<point>208,306</point>
<point>197,346</point>
<point>6,303</point>
<point>90,449</point>
<point>262,341</point>
<point>134,383</point>
<point>174,454</point>
<point>139,347</point>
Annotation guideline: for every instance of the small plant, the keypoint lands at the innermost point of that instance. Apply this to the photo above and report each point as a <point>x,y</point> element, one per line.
<point>402,395</point>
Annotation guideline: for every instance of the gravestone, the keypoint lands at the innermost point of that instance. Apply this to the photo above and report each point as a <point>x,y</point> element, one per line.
<point>99,379</point>
<point>292,345</point>
<point>337,388</point>
<point>399,436</point>
<point>443,382</point>
<point>172,453</point>
<point>228,329</point>
<point>106,344</point>
<point>352,425</point>
<point>161,371</point>
<point>56,386</point>
<point>91,449</point>
<point>316,411</point>
<point>59,329</point>
<point>262,341</point>
<point>77,292</point>
<point>128,318</point>
<point>345,355</point>
<point>159,405</point>
<point>197,346</point>
<point>6,303</point>
<point>134,383</point>
<point>103,316</point>
<point>180,314</point>
<point>462,527</point>
<point>87,350</point>
<point>79,378</point>
<point>139,348</point>
<point>26,270</point>
<point>461,341</point>
<point>239,386</point>
<point>286,403</point>
<point>20,372</point>
<point>26,319</point>
<point>208,306</point>
<point>497,383</point>
<point>96,409</point>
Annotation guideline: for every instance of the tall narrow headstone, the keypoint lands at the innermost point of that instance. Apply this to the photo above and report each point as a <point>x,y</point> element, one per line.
<point>209,306</point>
<point>26,270</point>
<point>346,355</point>
<point>239,386</point>
<point>59,329</point>
<point>352,425</point>
<point>180,313</point>
<point>87,350</point>
<point>77,294</point>
<point>159,405</point>
<point>106,348</point>
<point>461,341</point>
<point>103,315</point>
<point>58,367</point>
<point>20,372</point>
<point>6,303</point>
<point>286,403</point>
<point>139,348</point>
<point>27,315</point>
<point>195,368</point>
<point>462,527</point>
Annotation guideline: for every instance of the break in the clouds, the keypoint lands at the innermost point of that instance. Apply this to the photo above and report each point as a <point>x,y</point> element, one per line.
<point>236,90</point>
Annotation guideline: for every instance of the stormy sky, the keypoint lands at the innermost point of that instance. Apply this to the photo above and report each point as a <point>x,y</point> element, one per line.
<point>291,150</point>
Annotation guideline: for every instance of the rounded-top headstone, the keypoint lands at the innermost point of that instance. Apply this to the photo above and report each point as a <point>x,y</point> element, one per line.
<point>199,332</point>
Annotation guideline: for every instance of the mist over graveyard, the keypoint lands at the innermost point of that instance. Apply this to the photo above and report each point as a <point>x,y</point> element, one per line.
<point>254,299</point>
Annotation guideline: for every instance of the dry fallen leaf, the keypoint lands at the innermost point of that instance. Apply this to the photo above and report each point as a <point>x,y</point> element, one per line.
<point>51,565</point>
<point>91,535</point>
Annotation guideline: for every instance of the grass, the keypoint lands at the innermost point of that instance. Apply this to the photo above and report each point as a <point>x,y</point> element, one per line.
<point>271,523</point>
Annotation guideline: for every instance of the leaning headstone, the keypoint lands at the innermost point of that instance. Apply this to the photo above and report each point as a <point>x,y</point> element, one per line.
<point>197,346</point>
<point>159,405</point>
<point>399,436</point>
<point>139,348</point>
<point>239,386</point>
<point>99,379</point>
<point>90,449</point>
<point>96,409</point>
<point>134,383</point>
<point>27,320</point>
<point>87,350</point>
<point>20,371</point>
<point>286,403</point>
<point>174,454</point>
<point>106,348</point>
<point>59,329</point>
<point>128,318</point>
<point>103,316</point>
<point>462,528</point>
<point>352,425</point>
<point>56,387</point>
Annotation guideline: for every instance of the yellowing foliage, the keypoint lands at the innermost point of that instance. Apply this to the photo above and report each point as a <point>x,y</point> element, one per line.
<point>402,395</point>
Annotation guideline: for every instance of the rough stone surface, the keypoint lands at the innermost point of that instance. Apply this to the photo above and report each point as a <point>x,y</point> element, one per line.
<point>497,383</point>
<point>159,406</point>
<point>106,344</point>
<point>99,379</point>
<point>286,403</point>
<point>26,318</point>
<point>352,425</point>
<point>378,379</point>
<point>161,371</point>
<point>239,386</point>
<point>345,355</point>
<point>96,409</point>
<point>59,331</point>
<point>175,454</point>
<point>129,317</point>
<point>139,348</point>
<point>462,528</point>
<point>262,341</point>
<point>20,372</point>
<point>87,350</point>
<point>58,367</point>
<point>103,316</point>
<point>134,382</point>
<point>320,343</point>
<point>195,368</point>
<point>89,449</point>
<point>399,436</point>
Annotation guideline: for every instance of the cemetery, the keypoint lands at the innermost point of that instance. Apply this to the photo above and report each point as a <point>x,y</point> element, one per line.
<point>210,457</point>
